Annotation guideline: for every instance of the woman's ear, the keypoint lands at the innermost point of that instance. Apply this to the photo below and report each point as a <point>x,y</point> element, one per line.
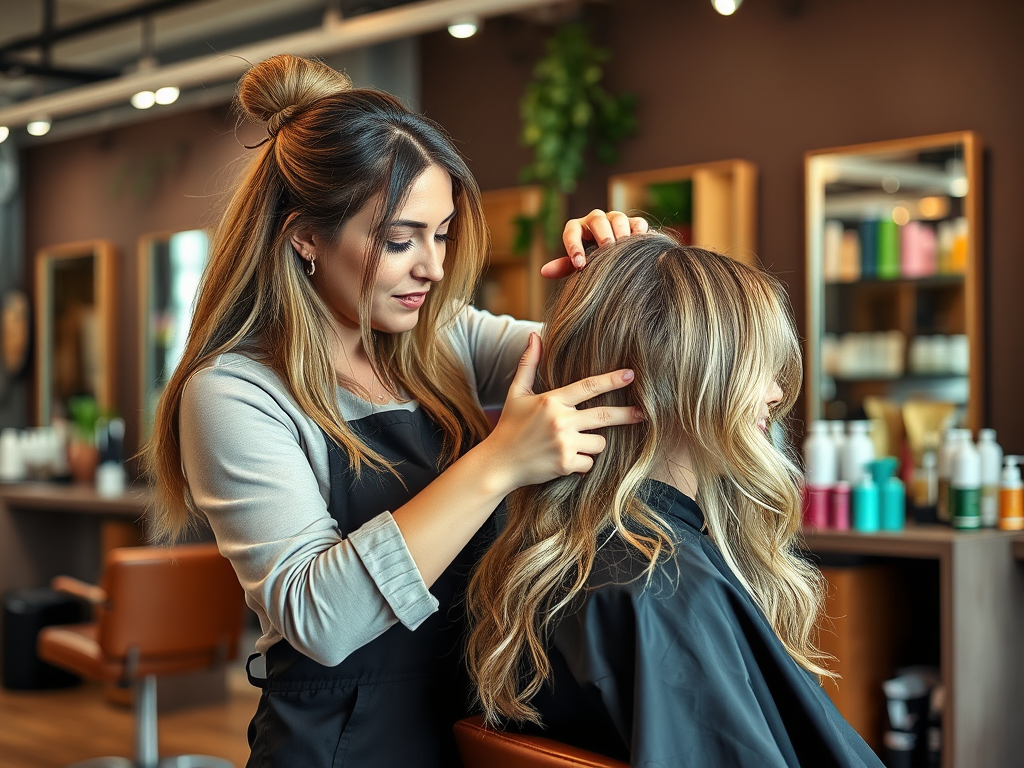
<point>302,239</point>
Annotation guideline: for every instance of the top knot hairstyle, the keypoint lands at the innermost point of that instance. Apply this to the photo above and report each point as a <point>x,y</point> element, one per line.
<point>334,150</point>
<point>274,90</point>
<point>706,336</point>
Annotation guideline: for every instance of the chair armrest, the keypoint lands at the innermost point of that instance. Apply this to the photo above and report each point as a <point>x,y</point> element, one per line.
<point>72,586</point>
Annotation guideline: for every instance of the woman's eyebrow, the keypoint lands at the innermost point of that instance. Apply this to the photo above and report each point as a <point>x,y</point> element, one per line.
<point>419,224</point>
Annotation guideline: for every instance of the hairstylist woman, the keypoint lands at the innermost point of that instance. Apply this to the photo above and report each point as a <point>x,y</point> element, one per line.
<point>348,255</point>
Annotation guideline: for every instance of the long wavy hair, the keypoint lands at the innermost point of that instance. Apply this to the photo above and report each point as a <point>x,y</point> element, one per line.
<point>706,336</point>
<point>330,151</point>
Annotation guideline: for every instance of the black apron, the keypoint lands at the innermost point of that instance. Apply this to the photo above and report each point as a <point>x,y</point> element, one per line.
<point>392,702</point>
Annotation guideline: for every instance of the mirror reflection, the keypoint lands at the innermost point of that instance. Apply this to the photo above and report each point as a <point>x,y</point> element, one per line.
<point>893,250</point>
<point>75,323</point>
<point>170,270</point>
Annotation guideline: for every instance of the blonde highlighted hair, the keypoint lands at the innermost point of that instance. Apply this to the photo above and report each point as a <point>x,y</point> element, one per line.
<point>707,337</point>
<point>331,150</point>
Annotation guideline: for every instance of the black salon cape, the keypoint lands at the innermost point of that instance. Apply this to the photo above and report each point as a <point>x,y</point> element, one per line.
<point>686,671</point>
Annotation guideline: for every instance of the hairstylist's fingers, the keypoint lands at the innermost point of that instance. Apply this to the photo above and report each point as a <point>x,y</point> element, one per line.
<point>592,386</point>
<point>591,444</point>
<point>522,382</point>
<point>556,269</point>
<point>620,224</point>
<point>597,222</point>
<point>638,225</point>
<point>606,416</point>
<point>572,239</point>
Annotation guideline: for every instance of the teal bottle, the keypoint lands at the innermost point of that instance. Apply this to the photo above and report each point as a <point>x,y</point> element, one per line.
<point>866,517</point>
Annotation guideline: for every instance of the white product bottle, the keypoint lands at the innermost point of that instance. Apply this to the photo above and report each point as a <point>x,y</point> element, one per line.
<point>857,452</point>
<point>944,469</point>
<point>991,473</point>
<point>965,484</point>
<point>837,429</point>
<point>819,456</point>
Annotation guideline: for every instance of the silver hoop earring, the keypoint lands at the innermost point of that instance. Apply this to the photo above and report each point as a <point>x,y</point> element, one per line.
<point>311,267</point>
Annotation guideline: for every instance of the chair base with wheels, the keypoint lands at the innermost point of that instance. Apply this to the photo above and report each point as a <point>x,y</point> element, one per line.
<point>159,611</point>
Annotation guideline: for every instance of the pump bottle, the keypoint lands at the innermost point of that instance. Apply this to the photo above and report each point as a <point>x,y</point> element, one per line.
<point>1011,496</point>
<point>991,467</point>
<point>965,485</point>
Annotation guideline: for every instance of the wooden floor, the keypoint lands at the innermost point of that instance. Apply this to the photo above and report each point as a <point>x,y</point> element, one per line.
<point>52,729</point>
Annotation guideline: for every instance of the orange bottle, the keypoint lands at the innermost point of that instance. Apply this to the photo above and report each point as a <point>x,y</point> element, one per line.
<point>1011,496</point>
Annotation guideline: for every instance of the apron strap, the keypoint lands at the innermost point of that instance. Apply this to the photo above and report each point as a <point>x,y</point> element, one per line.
<point>257,682</point>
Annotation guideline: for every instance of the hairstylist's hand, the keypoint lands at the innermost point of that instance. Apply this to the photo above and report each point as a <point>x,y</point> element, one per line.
<point>541,437</point>
<point>596,227</point>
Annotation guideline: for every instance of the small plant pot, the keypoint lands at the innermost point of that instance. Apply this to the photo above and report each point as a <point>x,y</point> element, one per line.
<point>82,460</point>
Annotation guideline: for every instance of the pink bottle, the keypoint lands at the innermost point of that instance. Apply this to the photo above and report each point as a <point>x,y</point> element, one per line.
<point>839,514</point>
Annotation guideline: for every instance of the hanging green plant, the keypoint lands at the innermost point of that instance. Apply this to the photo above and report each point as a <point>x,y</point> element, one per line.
<point>567,114</point>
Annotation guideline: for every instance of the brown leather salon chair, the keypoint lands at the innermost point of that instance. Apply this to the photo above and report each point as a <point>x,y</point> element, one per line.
<point>482,747</point>
<point>157,611</point>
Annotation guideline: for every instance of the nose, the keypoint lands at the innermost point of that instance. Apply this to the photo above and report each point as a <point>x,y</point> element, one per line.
<point>774,394</point>
<point>430,266</point>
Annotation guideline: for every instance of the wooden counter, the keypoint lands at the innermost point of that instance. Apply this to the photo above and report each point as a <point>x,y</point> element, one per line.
<point>51,529</point>
<point>981,599</point>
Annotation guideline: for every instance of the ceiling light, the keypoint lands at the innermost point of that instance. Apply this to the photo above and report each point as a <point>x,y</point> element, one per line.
<point>463,27</point>
<point>726,7</point>
<point>167,95</point>
<point>39,126</point>
<point>4,133</point>
<point>143,99</point>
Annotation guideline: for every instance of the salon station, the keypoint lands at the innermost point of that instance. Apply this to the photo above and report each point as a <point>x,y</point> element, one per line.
<point>867,153</point>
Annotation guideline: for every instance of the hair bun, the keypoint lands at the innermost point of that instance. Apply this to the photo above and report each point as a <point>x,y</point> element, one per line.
<point>274,90</point>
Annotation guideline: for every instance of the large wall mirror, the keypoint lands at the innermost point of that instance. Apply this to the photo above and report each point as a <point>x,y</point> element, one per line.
<point>894,276</point>
<point>75,286</point>
<point>170,268</point>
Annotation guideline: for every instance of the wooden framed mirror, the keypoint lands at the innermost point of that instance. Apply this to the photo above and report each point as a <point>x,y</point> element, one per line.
<point>170,267</point>
<point>894,244</point>
<point>75,316</point>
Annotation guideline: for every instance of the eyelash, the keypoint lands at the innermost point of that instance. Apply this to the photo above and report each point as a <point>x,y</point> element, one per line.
<point>392,247</point>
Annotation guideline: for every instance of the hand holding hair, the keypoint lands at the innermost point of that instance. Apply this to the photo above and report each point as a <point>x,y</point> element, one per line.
<point>596,228</point>
<point>542,437</point>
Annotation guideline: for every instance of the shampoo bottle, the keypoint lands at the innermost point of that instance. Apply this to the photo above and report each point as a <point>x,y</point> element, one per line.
<point>965,485</point>
<point>857,452</point>
<point>820,468</point>
<point>991,468</point>
<point>1011,496</point>
<point>865,505</point>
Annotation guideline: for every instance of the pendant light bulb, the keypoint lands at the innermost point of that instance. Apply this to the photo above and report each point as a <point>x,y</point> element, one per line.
<point>167,95</point>
<point>726,7</point>
<point>143,99</point>
<point>463,27</point>
<point>39,126</point>
<point>4,133</point>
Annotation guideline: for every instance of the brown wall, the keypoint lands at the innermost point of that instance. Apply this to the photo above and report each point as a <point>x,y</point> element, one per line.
<point>163,175</point>
<point>767,87</point>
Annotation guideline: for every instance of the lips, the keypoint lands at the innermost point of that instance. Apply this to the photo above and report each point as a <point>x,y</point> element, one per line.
<point>412,300</point>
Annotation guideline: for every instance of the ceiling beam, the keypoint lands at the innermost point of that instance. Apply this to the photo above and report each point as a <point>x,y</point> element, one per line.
<point>333,37</point>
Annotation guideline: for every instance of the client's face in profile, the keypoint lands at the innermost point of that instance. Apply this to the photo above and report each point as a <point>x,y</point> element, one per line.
<point>772,396</point>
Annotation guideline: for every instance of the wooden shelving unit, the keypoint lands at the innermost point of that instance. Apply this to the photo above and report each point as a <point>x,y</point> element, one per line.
<point>512,284</point>
<point>981,620</point>
<point>724,202</point>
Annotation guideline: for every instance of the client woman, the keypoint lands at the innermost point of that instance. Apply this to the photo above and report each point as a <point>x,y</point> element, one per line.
<point>656,609</point>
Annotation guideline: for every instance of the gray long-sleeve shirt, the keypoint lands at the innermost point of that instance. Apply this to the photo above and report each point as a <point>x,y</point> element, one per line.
<point>257,467</point>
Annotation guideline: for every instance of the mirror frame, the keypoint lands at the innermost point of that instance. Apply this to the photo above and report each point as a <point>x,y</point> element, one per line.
<point>814,233</point>
<point>104,254</point>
